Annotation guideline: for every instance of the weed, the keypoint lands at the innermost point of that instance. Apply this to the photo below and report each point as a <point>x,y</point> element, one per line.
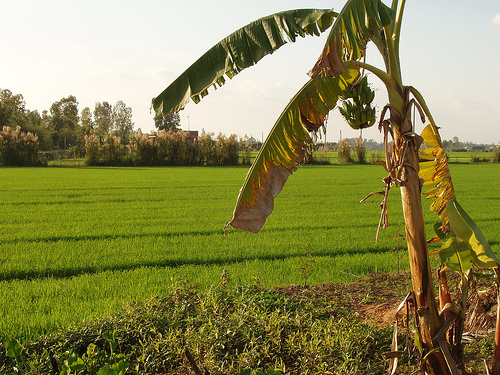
<point>307,264</point>
<point>371,299</point>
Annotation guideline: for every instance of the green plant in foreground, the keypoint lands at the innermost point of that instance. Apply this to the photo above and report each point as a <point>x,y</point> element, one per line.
<point>86,363</point>
<point>14,350</point>
<point>227,331</point>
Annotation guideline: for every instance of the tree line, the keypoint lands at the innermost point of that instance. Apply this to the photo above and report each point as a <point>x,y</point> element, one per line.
<point>62,126</point>
<point>104,136</point>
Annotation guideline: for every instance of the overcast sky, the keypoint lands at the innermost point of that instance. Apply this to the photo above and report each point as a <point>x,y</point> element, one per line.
<point>131,50</point>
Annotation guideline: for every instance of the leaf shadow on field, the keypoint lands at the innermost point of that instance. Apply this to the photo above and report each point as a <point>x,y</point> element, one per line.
<point>169,234</point>
<point>68,272</point>
<point>105,237</point>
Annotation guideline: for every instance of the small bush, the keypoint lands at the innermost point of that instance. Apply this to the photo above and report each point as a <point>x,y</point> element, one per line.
<point>496,155</point>
<point>476,159</point>
<point>360,151</point>
<point>345,152</point>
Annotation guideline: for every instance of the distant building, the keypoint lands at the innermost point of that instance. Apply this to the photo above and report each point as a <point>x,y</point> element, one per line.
<point>193,135</point>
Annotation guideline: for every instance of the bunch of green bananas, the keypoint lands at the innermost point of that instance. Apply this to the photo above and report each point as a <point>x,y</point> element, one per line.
<point>356,107</point>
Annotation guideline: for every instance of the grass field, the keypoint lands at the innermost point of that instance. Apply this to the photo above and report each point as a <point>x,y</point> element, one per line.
<point>77,243</point>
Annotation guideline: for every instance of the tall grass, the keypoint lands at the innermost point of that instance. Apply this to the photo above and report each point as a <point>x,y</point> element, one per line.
<point>77,243</point>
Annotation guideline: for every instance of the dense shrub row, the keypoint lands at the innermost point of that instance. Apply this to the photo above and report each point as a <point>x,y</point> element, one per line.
<point>18,148</point>
<point>162,148</point>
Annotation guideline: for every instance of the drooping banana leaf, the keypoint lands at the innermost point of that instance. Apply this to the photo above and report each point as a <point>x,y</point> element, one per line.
<point>240,50</point>
<point>356,24</point>
<point>467,230</point>
<point>285,148</point>
<point>435,172</point>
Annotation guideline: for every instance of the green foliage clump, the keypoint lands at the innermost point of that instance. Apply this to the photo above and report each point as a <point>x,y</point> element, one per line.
<point>225,330</point>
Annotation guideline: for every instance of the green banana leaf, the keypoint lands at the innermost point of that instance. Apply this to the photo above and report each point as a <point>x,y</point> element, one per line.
<point>357,23</point>
<point>240,50</point>
<point>465,229</point>
<point>285,148</point>
<point>456,254</point>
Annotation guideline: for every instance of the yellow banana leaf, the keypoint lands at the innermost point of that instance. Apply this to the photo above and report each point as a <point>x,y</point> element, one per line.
<point>465,228</point>
<point>356,24</point>
<point>285,148</point>
<point>240,50</point>
<point>434,172</point>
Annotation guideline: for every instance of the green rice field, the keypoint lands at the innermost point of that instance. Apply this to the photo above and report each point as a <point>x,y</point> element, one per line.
<point>77,243</point>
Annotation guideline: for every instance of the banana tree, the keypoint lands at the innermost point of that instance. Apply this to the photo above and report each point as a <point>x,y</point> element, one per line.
<point>340,66</point>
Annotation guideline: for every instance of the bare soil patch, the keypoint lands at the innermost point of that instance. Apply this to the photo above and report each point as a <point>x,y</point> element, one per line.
<point>374,299</point>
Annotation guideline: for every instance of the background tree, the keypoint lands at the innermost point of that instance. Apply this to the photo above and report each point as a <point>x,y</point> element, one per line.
<point>12,110</point>
<point>103,117</point>
<point>13,113</point>
<point>169,121</point>
<point>86,121</point>
<point>64,122</point>
<point>122,121</point>
<point>40,125</point>
<point>86,128</point>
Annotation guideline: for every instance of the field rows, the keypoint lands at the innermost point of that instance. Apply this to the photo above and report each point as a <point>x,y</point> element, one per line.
<point>79,242</point>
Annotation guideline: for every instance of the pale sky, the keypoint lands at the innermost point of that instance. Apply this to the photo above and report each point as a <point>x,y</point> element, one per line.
<point>131,50</point>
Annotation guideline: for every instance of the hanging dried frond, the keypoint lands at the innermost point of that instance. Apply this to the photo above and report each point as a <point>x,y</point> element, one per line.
<point>435,174</point>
